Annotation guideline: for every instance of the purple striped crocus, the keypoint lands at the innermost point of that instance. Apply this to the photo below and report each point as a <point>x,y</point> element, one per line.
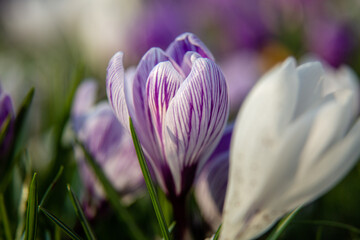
<point>178,103</point>
<point>109,143</point>
<point>6,114</point>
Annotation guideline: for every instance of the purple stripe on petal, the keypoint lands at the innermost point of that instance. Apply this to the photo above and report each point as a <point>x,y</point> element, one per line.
<point>187,42</point>
<point>137,103</point>
<point>196,118</point>
<point>115,88</point>
<point>136,100</point>
<point>161,87</point>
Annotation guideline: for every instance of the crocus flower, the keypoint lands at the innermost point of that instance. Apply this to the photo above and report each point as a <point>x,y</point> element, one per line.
<point>108,142</point>
<point>210,187</point>
<point>7,118</point>
<point>178,102</point>
<point>293,140</point>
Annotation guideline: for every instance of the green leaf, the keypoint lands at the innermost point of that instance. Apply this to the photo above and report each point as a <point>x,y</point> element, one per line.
<point>79,212</point>
<point>19,131</point>
<point>283,224</point>
<point>331,224</point>
<point>5,219</point>
<point>20,120</point>
<point>31,211</point>
<point>172,226</point>
<point>51,186</point>
<point>112,196</point>
<point>58,149</point>
<point>149,184</point>
<point>217,234</point>
<point>60,224</point>
<point>4,128</point>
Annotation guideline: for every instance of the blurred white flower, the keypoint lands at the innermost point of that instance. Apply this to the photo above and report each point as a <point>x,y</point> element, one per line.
<point>98,27</point>
<point>294,139</point>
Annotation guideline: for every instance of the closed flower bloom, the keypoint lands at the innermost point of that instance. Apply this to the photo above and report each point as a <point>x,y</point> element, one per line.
<point>178,102</point>
<point>7,118</point>
<point>110,145</point>
<point>293,140</point>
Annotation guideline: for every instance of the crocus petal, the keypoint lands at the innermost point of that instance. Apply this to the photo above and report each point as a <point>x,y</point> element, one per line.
<point>273,98</point>
<point>115,88</point>
<point>310,89</point>
<point>85,97</point>
<point>212,181</point>
<point>343,78</point>
<point>329,170</point>
<point>6,110</point>
<point>187,42</point>
<point>313,150</point>
<point>137,102</point>
<point>195,119</point>
<point>161,87</point>
<point>103,135</point>
<point>330,125</point>
<point>188,60</point>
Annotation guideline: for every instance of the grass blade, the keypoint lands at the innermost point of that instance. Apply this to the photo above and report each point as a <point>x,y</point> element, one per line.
<point>5,219</point>
<point>31,211</point>
<point>149,184</point>
<point>217,234</point>
<point>19,130</point>
<point>326,223</point>
<point>283,224</point>
<point>4,128</point>
<point>112,196</point>
<point>79,212</point>
<point>61,225</point>
<point>51,186</point>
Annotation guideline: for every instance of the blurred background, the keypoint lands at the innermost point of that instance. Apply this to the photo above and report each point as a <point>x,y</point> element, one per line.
<point>52,45</point>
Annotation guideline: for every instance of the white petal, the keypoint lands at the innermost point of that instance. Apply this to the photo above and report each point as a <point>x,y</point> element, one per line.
<point>331,124</point>
<point>333,165</point>
<point>310,86</point>
<point>264,115</point>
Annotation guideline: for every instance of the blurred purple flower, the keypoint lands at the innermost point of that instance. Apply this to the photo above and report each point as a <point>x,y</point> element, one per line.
<point>331,41</point>
<point>157,25</point>
<point>179,106</point>
<point>108,142</point>
<point>6,112</point>
<point>212,181</point>
<point>241,71</point>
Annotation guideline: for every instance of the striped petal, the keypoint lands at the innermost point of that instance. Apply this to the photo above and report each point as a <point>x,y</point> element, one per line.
<point>161,87</point>
<point>187,42</point>
<point>137,102</point>
<point>195,120</point>
<point>115,88</point>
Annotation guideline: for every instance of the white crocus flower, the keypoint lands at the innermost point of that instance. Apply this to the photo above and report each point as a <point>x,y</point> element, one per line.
<point>294,139</point>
